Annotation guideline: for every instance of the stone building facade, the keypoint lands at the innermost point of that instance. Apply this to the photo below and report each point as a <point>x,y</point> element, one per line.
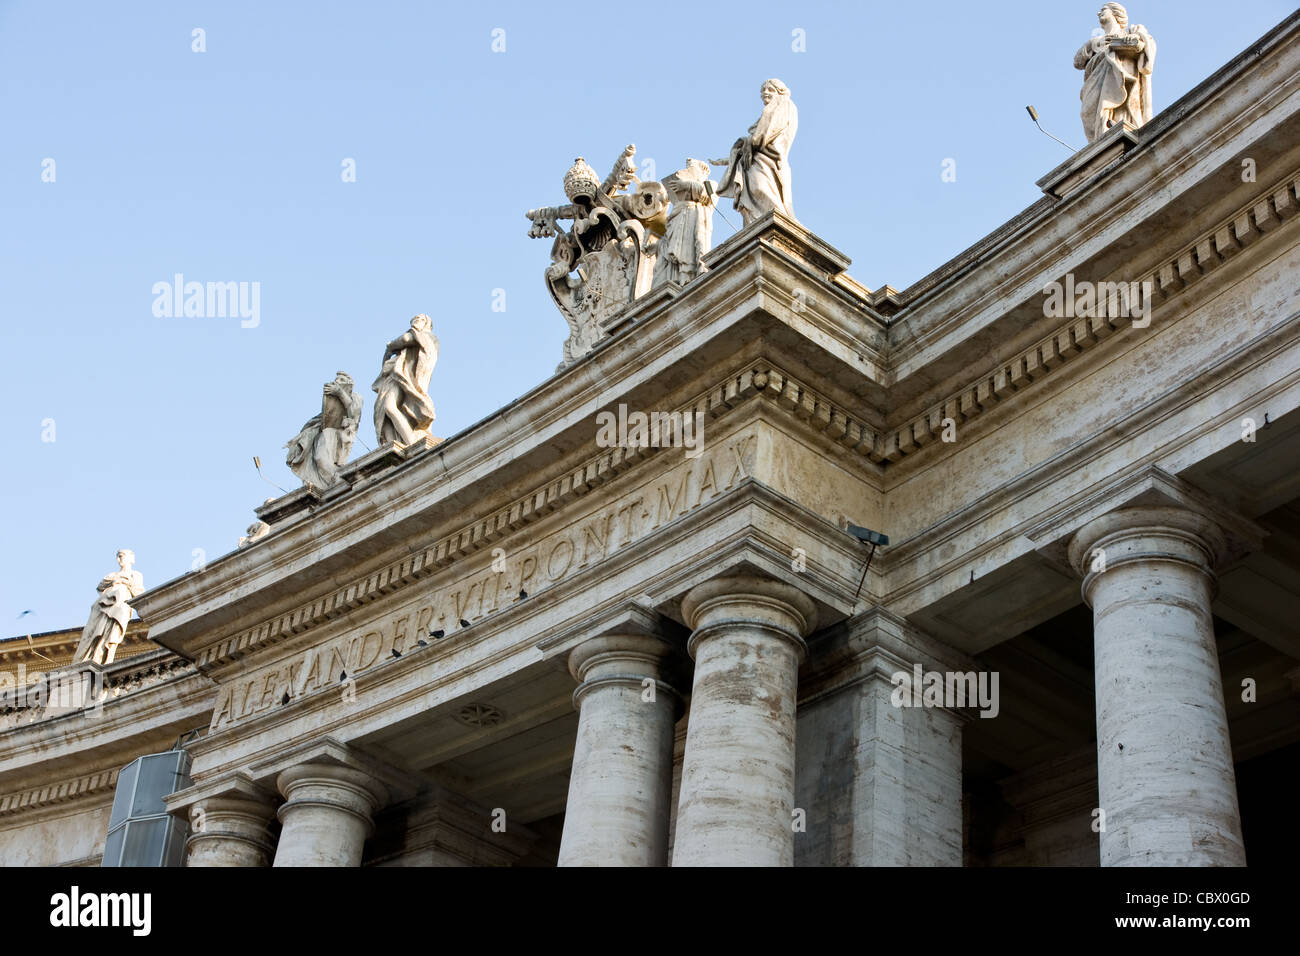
<point>523,647</point>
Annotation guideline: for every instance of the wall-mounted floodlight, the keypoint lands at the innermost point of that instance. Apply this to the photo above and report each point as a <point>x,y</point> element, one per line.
<point>866,536</point>
<point>257,463</point>
<point>1033,115</point>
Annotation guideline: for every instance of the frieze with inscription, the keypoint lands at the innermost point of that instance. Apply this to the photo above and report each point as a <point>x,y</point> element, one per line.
<point>532,569</point>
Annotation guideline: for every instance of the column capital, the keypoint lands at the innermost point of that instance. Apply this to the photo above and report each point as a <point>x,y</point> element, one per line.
<point>230,818</point>
<point>621,782</point>
<point>759,602</point>
<point>332,785</point>
<point>623,660</point>
<point>738,773</point>
<point>603,654</point>
<point>331,794</point>
<point>392,783</point>
<point>1164,757</point>
<point>1146,534</point>
<point>1069,528</point>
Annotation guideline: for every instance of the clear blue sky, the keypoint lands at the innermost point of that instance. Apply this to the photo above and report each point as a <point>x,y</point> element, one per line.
<point>225,166</point>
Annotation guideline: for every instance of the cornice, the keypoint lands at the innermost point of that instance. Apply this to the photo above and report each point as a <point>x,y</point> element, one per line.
<point>1159,409</point>
<point>879,446</point>
<point>38,653</point>
<point>874,447</point>
<point>1268,210</point>
<point>529,435</point>
<point>176,702</point>
<point>35,702</point>
<point>756,379</point>
<point>65,791</point>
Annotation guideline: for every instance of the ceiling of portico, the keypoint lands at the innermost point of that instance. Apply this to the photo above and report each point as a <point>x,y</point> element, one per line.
<point>1029,623</point>
<point>507,745</point>
<point>1259,593</point>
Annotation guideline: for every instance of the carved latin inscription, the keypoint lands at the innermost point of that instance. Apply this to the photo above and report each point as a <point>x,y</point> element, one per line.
<point>531,568</point>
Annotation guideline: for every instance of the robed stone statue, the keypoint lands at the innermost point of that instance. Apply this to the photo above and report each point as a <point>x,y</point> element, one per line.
<point>758,169</point>
<point>111,612</point>
<point>689,235</point>
<point>403,410</point>
<point>322,447</point>
<point>1117,67</point>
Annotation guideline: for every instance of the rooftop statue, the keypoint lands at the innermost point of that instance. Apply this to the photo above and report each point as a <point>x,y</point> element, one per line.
<point>605,260</point>
<point>403,411</point>
<point>758,169</point>
<point>680,253</point>
<point>1117,67</point>
<point>322,447</point>
<point>111,612</point>
<point>256,532</point>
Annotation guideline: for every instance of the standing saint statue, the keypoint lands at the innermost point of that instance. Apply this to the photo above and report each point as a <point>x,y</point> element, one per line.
<point>758,169</point>
<point>403,410</point>
<point>322,447</point>
<point>690,224</point>
<point>111,612</point>
<point>1116,73</point>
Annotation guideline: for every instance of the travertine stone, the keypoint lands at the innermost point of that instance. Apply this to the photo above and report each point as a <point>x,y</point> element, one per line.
<point>327,814</point>
<point>230,830</point>
<point>111,612</point>
<point>881,783</point>
<point>607,259</point>
<point>403,409</point>
<point>758,168</point>
<point>1117,73</point>
<point>1055,803</point>
<point>737,790</point>
<point>680,254</point>
<point>322,447</point>
<point>620,787</point>
<point>820,398</point>
<point>1164,762</point>
<point>256,531</point>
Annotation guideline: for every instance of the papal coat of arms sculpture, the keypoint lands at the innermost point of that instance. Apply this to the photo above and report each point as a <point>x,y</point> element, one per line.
<point>630,236</point>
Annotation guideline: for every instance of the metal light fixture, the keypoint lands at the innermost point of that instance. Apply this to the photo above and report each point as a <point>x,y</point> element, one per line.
<point>1033,115</point>
<point>866,536</point>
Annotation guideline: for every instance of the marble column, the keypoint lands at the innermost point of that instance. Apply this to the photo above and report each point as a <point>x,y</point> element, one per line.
<point>327,814</point>
<point>1164,764</point>
<point>621,785</point>
<point>737,788</point>
<point>230,830</point>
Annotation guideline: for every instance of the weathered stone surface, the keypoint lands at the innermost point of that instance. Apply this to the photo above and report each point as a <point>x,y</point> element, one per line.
<point>421,612</point>
<point>737,795</point>
<point>881,784</point>
<point>619,789</point>
<point>322,447</point>
<point>229,823</point>
<point>1165,777</point>
<point>1117,69</point>
<point>111,612</point>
